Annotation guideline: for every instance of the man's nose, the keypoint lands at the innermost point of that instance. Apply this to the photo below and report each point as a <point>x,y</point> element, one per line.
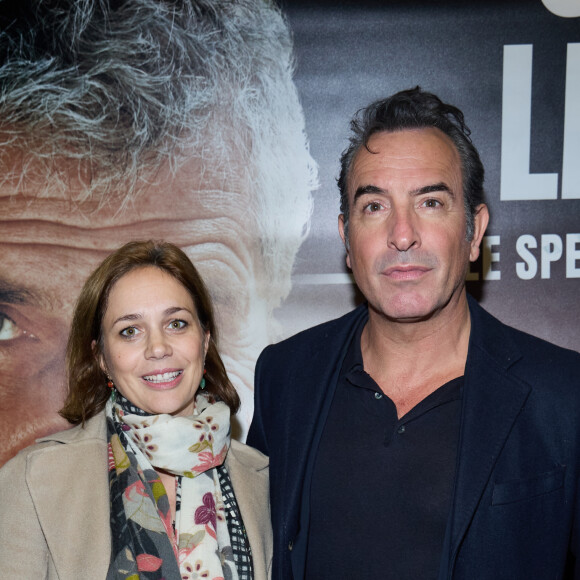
<point>403,230</point>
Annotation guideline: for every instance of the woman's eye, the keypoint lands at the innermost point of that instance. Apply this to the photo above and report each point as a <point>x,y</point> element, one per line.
<point>8,328</point>
<point>177,324</point>
<point>129,332</point>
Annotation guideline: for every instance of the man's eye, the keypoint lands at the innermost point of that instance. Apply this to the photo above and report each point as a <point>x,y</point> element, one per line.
<point>373,206</point>
<point>177,324</point>
<point>431,203</point>
<point>8,328</point>
<point>129,332</point>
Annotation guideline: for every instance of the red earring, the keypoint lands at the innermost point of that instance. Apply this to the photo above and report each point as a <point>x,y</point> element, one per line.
<point>110,384</point>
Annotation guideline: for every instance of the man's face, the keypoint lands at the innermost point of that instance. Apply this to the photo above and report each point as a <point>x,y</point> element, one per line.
<point>407,228</point>
<point>49,247</point>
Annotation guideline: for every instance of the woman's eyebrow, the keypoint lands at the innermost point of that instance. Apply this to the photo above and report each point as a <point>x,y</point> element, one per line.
<point>137,316</point>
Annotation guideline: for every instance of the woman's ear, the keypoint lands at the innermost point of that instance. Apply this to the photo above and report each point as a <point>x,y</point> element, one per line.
<point>99,356</point>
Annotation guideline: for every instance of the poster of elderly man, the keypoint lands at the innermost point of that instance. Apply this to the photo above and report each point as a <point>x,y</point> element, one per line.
<point>137,120</point>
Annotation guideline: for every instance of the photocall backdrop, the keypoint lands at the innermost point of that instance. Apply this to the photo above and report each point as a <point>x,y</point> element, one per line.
<point>513,67</point>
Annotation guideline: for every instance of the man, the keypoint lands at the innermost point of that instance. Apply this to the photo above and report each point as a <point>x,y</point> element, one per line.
<point>418,437</point>
<point>142,119</point>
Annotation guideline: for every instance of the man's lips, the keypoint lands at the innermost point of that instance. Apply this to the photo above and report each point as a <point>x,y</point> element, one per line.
<point>406,271</point>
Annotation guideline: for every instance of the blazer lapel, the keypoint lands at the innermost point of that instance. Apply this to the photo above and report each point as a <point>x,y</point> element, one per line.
<point>72,501</point>
<point>248,470</point>
<point>492,401</point>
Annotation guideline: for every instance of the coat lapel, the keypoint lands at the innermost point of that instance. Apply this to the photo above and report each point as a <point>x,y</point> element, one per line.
<point>248,471</point>
<point>492,401</point>
<point>78,535</point>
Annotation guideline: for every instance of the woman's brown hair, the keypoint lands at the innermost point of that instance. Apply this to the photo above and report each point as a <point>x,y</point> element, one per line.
<point>87,384</point>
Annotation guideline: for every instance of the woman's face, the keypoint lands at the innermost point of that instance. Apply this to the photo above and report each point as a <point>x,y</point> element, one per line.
<point>153,344</point>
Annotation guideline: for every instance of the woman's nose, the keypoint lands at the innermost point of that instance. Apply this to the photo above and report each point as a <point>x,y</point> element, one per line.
<point>158,345</point>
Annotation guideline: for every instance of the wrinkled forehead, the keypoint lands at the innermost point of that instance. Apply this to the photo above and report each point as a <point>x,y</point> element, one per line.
<point>181,205</point>
<point>50,244</point>
<point>410,155</point>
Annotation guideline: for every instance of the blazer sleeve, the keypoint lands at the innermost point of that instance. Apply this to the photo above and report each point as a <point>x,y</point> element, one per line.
<point>23,550</point>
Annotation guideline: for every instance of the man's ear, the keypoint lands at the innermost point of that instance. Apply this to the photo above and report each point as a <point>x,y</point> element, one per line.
<point>481,219</point>
<point>343,234</point>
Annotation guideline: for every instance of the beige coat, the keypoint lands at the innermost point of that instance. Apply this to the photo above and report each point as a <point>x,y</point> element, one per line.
<point>54,506</point>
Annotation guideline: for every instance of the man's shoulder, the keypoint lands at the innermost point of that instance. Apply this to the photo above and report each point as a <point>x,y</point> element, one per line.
<point>534,344</point>
<point>522,351</point>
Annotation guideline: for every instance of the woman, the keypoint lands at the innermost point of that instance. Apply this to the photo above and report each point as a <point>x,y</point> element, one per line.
<point>148,483</point>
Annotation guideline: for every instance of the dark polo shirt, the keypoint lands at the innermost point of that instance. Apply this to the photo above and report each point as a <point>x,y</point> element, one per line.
<point>382,486</point>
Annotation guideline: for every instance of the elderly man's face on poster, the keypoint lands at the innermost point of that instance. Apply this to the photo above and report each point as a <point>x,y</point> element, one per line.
<point>49,246</point>
<point>184,146</point>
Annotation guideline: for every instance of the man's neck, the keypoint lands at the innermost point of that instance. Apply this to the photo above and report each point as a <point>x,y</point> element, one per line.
<point>410,360</point>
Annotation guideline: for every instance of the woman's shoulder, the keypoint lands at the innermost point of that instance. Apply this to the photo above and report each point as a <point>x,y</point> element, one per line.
<point>248,456</point>
<point>94,429</point>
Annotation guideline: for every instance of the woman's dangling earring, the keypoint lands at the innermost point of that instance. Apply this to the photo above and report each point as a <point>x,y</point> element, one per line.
<point>202,382</point>
<point>111,387</point>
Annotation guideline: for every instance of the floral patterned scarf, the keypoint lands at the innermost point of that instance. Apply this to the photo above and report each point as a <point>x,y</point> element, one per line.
<point>146,544</point>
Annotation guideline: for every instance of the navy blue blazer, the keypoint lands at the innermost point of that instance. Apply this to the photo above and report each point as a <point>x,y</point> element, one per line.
<point>515,511</point>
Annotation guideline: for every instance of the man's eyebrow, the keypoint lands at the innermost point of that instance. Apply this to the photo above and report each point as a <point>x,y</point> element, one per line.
<point>11,294</point>
<point>364,189</point>
<point>432,188</point>
<point>441,186</point>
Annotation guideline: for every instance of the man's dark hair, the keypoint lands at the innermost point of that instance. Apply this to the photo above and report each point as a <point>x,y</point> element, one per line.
<point>415,109</point>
